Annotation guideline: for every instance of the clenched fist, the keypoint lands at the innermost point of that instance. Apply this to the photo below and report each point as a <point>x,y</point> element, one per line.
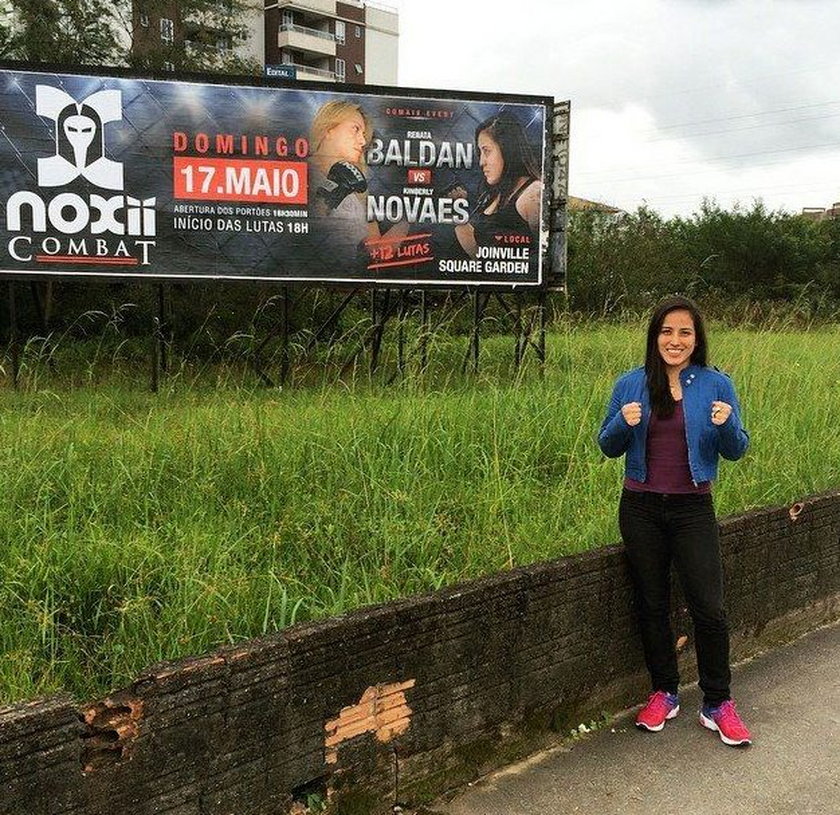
<point>720,412</point>
<point>632,413</point>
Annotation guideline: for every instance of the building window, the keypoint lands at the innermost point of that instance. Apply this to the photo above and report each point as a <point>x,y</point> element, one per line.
<point>358,32</point>
<point>340,68</point>
<point>144,19</point>
<point>340,32</point>
<point>167,29</point>
<point>286,58</point>
<point>288,18</point>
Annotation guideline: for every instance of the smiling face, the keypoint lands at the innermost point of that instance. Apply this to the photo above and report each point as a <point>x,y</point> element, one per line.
<point>490,158</point>
<point>677,339</point>
<point>346,140</point>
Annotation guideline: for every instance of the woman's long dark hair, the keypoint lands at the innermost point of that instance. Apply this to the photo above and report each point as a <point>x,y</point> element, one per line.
<point>508,133</point>
<point>661,401</point>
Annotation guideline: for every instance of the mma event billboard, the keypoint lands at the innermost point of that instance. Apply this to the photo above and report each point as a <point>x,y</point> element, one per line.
<point>121,176</point>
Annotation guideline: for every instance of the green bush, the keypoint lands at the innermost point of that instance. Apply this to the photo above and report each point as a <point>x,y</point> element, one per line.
<point>732,260</point>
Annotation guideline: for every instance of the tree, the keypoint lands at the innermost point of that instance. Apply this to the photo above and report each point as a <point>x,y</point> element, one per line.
<point>202,36</point>
<point>61,32</point>
<point>199,36</point>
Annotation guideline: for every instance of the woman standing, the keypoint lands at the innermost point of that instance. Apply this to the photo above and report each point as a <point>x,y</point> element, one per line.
<point>671,419</point>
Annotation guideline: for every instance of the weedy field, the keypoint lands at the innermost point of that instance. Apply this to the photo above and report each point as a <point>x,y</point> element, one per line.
<point>139,527</point>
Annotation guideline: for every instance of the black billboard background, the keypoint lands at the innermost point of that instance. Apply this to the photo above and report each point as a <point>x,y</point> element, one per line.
<point>152,110</point>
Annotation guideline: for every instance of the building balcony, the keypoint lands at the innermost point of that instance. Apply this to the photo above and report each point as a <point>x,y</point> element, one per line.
<point>387,7</point>
<point>309,40</point>
<point>322,7</point>
<point>309,72</point>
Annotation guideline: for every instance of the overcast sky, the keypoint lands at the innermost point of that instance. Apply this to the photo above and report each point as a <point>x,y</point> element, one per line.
<point>672,100</point>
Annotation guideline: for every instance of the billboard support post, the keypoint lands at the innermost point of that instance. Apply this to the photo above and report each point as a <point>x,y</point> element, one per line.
<point>480,301</point>
<point>373,331</point>
<point>160,354</point>
<point>42,311</point>
<point>541,341</point>
<point>381,313</point>
<point>373,293</point>
<point>330,320</point>
<point>283,331</point>
<point>155,355</point>
<point>559,194</point>
<point>523,329</point>
<point>424,331</point>
<point>472,348</point>
<point>476,329</point>
<point>39,309</point>
<point>14,348</point>
<point>403,315</point>
<point>162,327</point>
<point>284,347</point>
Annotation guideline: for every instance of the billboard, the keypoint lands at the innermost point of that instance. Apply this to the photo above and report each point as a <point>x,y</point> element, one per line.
<point>117,176</point>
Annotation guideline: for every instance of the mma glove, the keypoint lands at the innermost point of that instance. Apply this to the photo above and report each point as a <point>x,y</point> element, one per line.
<point>343,179</point>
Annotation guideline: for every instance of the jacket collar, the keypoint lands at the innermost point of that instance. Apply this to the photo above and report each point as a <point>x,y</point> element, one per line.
<point>688,373</point>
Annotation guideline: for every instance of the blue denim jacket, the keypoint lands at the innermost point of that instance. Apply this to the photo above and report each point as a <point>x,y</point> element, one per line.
<point>700,387</point>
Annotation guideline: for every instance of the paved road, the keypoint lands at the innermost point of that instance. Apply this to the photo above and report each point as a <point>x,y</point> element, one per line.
<point>789,698</point>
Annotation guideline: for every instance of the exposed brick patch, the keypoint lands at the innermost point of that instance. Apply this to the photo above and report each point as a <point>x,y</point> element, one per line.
<point>111,728</point>
<point>382,710</point>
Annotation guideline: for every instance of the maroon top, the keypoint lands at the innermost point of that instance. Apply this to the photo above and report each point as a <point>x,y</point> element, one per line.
<point>667,458</point>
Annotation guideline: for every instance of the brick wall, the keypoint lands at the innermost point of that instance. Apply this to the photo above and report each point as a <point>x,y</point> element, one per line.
<point>352,51</point>
<point>402,701</point>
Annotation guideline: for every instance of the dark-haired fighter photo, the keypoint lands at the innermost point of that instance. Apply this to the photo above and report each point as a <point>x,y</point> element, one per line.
<point>509,201</point>
<point>672,419</point>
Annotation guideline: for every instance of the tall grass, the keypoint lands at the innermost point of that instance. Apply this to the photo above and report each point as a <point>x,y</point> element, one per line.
<point>136,527</point>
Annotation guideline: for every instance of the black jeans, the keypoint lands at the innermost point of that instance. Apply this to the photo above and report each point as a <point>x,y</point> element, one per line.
<point>658,529</point>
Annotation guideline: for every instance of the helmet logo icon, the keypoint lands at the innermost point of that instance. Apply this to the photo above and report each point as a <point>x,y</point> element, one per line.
<point>79,138</point>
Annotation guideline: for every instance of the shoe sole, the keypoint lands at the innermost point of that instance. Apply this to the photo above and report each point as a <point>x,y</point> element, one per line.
<point>709,724</point>
<point>657,728</point>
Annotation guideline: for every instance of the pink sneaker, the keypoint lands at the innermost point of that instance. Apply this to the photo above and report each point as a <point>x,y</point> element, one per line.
<point>660,707</point>
<point>727,722</point>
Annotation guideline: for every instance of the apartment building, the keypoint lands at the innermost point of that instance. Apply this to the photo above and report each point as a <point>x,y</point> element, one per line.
<point>325,40</point>
<point>156,26</point>
<point>604,212</point>
<point>333,41</point>
<point>831,213</point>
